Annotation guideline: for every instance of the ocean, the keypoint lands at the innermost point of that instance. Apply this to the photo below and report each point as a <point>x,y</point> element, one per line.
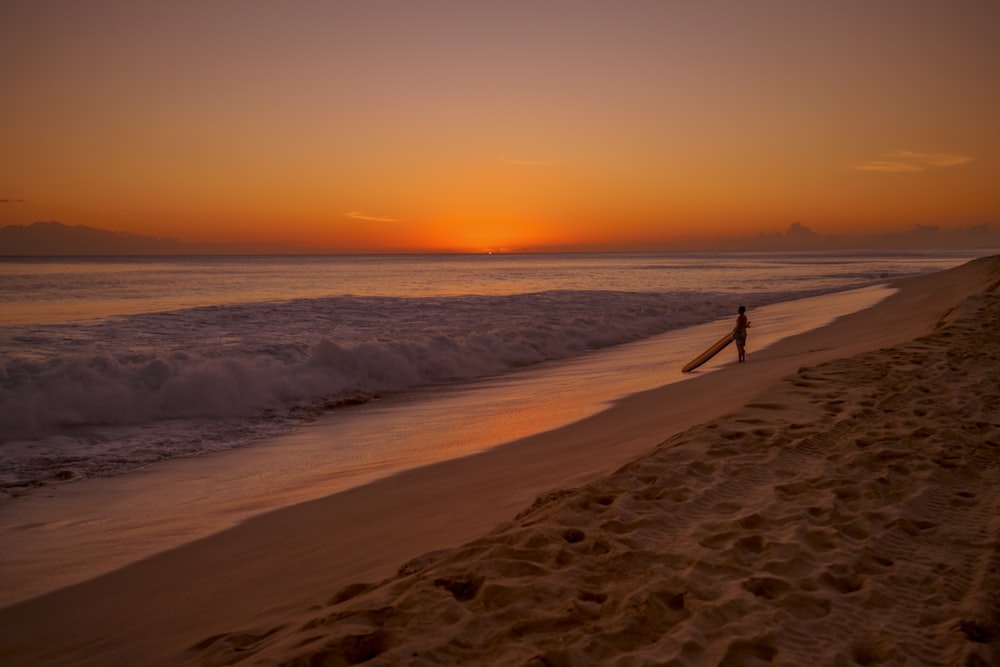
<point>108,365</point>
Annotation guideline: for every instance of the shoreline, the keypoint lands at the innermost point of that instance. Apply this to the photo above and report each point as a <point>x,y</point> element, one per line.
<point>297,556</point>
<point>64,535</point>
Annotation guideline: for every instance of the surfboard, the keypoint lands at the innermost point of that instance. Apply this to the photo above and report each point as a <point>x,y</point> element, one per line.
<point>709,353</point>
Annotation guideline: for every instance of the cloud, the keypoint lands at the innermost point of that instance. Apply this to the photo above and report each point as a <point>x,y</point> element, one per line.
<point>358,215</point>
<point>799,231</point>
<point>911,161</point>
<point>12,201</point>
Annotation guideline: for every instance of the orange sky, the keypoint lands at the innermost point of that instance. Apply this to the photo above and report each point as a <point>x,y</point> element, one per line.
<point>526,124</point>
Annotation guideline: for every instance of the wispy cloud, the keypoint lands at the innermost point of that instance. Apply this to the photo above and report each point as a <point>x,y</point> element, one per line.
<point>12,201</point>
<point>358,215</point>
<point>531,163</point>
<point>911,161</point>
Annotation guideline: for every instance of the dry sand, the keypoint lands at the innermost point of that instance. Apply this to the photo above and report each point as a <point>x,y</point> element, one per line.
<point>848,514</point>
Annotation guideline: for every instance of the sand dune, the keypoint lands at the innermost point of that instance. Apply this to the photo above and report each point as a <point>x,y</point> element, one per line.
<point>842,512</point>
<point>849,515</point>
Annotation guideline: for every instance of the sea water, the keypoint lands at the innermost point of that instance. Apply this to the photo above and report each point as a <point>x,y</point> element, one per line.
<point>110,364</point>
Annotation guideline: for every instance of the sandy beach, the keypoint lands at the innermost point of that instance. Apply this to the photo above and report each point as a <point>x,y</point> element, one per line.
<point>836,501</point>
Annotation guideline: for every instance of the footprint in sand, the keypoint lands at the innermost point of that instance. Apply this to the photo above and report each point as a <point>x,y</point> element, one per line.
<point>792,490</point>
<point>768,588</point>
<point>743,652</point>
<point>701,469</point>
<point>843,582</point>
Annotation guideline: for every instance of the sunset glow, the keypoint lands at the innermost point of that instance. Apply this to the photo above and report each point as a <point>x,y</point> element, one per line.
<point>392,125</point>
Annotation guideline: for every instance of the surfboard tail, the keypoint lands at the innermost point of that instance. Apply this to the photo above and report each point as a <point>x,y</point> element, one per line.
<point>710,352</point>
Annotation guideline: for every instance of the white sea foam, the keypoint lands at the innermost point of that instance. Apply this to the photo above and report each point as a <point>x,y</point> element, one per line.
<point>240,360</point>
<point>214,377</point>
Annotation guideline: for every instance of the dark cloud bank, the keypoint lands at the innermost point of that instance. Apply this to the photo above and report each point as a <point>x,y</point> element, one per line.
<point>57,239</point>
<point>800,237</point>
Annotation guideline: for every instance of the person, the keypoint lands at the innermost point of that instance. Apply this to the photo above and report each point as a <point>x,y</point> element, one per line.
<point>740,333</point>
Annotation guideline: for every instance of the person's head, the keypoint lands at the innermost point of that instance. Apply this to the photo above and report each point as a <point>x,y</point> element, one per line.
<point>742,310</point>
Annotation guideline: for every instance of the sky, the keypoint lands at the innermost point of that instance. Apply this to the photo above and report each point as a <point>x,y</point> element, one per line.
<point>464,125</point>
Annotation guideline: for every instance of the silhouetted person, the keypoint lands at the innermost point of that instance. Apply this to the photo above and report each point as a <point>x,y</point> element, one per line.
<point>740,333</point>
